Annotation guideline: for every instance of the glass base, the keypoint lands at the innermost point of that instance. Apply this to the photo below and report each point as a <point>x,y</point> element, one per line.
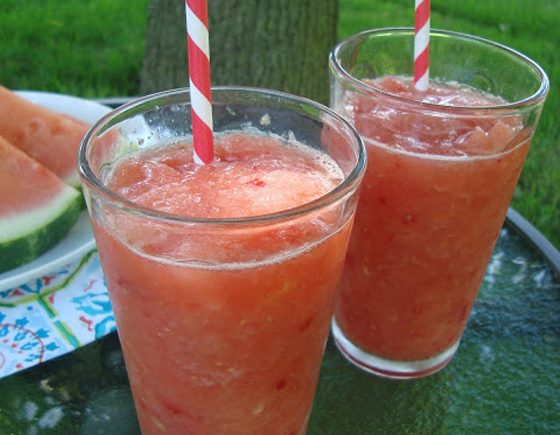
<point>388,368</point>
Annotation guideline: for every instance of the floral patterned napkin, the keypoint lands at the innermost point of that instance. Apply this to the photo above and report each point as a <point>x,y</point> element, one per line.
<point>53,315</point>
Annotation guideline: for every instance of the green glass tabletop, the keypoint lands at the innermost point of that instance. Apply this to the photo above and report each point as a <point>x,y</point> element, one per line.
<point>504,378</point>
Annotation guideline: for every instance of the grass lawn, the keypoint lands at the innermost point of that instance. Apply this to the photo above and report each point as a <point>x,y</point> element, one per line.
<point>94,48</point>
<point>89,48</point>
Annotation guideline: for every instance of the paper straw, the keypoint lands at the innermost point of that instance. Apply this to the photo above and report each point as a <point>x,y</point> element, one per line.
<point>199,78</point>
<point>422,45</point>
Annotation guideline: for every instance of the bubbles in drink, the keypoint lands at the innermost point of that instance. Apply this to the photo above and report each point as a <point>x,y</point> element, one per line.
<point>251,175</point>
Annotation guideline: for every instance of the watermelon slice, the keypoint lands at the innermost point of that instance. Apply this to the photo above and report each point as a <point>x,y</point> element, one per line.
<point>50,138</point>
<point>37,208</point>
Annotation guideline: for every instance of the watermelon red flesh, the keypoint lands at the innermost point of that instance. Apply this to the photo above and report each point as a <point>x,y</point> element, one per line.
<point>48,137</point>
<point>25,183</point>
<point>36,208</point>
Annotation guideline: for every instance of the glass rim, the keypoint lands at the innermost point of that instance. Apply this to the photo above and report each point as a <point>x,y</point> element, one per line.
<point>345,188</point>
<point>532,100</point>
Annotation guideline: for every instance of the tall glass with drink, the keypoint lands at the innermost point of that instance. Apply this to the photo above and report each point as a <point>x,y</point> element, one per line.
<point>223,276</point>
<point>443,165</point>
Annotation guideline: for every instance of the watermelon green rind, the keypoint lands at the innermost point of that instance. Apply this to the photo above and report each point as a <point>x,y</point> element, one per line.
<point>25,236</point>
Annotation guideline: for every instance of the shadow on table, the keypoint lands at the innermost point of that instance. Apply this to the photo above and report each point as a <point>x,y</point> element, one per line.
<point>350,401</point>
<point>82,393</point>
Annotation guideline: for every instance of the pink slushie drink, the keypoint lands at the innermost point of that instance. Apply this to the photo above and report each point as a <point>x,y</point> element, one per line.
<point>443,165</point>
<point>222,324</point>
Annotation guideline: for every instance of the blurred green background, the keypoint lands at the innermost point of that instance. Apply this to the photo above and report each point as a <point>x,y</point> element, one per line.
<point>93,48</point>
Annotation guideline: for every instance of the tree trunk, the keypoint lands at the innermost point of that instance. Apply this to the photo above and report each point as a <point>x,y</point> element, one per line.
<point>278,44</point>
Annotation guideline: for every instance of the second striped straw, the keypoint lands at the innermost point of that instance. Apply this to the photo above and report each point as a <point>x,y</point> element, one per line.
<point>422,45</point>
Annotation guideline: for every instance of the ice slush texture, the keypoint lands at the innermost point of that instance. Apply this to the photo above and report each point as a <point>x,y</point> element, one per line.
<point>432,203</point>
<point>226,334</point>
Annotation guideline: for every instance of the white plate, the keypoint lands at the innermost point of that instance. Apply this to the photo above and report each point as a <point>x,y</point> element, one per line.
<point>80,238</point>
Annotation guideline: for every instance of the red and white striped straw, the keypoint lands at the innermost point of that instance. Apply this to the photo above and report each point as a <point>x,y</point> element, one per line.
<point>199,77</point>
<point>422,45</point>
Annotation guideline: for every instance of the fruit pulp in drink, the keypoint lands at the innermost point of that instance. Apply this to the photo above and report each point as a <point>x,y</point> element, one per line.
<point>431,207</point>
<point>223,325</point>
